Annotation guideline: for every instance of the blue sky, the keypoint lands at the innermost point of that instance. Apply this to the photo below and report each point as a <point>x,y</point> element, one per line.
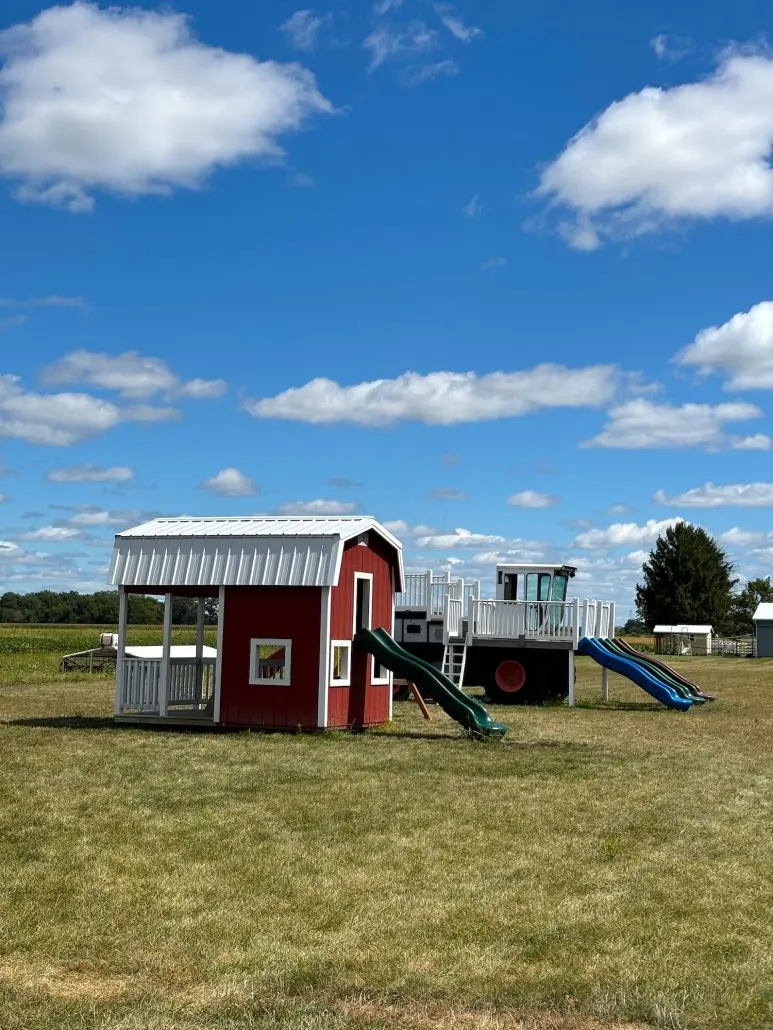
<point>496,275</point>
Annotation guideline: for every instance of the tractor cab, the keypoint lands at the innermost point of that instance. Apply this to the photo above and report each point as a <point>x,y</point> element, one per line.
<point>539,583</point>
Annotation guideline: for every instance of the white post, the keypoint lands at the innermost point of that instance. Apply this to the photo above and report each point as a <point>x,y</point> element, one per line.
<point>199,647</point>
<point>166,652</point>
<point>576,623</point>
<point>428,588</point>
<point>604,685</point>
<point>123,612</point>
<point>219,659</point>
<point>571,680</point>
<point>612,617</point>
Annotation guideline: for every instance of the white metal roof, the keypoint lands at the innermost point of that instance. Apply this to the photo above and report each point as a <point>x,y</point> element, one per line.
<point>256,551</point>
<point>764,612</point>
<point>154,651</point>
<point>684,628</point>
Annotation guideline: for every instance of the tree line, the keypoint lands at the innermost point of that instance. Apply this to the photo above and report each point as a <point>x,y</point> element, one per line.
<point>100,608</point>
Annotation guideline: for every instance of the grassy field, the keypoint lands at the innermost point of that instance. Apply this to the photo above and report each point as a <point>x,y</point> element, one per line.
<point>608,866</point>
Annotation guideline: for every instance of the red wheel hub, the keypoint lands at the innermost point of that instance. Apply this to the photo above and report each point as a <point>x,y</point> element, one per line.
<point>510,676</point>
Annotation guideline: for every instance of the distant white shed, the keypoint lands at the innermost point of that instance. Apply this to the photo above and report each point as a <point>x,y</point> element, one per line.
<point>763,628</point>
<point>683,639</point>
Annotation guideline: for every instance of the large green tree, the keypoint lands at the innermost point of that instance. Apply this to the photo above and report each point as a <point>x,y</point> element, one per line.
<point>687,579</point>
<point>745,603</point>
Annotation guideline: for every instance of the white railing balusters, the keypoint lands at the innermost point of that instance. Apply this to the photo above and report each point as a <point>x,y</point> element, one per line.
<point>140,681</point>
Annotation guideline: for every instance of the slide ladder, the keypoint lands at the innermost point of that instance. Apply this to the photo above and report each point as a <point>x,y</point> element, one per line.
<point>432,683</point>
<point>455,662</point>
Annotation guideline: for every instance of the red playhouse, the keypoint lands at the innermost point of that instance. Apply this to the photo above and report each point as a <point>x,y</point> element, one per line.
<point>291,592</point>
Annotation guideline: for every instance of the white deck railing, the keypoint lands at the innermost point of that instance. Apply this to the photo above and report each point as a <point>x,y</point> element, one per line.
<point>598,619</point>
<point>541,620</point>
<point>191,684</point>
<point>426,591</point>
<point>452,618</point>
<point>552,620</point>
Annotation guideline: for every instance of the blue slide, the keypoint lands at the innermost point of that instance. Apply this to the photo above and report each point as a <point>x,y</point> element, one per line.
<point>634,672</point>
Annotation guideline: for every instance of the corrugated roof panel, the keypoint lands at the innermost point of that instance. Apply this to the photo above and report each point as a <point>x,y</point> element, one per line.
<point>259,551</point>
<point>260,561</point>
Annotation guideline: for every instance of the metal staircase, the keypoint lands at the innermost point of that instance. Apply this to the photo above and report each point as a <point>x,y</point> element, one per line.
<point>454,661</point>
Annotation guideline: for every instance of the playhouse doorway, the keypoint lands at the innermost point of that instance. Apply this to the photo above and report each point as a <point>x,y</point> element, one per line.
<point>361,660</point>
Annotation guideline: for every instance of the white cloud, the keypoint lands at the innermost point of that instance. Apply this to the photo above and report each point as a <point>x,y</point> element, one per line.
<point>619,509</point>
<point>56,419</point>
<point>12,323</point>
<point>473,207</point>
<point>126,100</point>
<point>455,25</point>
<point>497,262</point>
<point>3,498</point>
<point>303,28</point>
<point>531,499</point>
<point>53,534</point>
<point>670,48</point>
<point>442,398</point>
<point>735,495</point>
<point>416,75</point>
<point>202,389</point>
<point>660,156</point>
<point>737,537</point>
<point>624,534</point>
<point>91,474</point>
<point>130,374</point>
<point>757,442</point>
<point>389,44</point>
<point>95,517</point>
<point>741,349</point>
<point>230,482</point>
<point>53,300</point>
<point>61,419</point>
<point>458,539</point>
<point>641,424</point>
<point>384,6</point>
<point>317,507</point>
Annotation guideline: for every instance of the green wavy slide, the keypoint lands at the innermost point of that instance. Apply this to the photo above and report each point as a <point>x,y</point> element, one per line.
<point>468,712</point>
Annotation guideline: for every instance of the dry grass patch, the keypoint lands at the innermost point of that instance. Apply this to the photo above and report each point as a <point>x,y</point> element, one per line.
<point>602,867</point>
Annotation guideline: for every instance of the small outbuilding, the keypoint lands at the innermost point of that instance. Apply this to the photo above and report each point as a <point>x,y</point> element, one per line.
<point>763,629</point>
<point>291,593</point>
<point>683,639</point>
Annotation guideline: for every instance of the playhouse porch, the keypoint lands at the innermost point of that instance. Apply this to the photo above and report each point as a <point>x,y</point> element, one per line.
<point>167,683</point>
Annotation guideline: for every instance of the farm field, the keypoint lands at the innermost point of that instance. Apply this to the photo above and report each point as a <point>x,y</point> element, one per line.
<point>603,867</point>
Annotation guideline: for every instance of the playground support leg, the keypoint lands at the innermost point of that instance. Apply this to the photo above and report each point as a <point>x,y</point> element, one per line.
<point>571,680</point>
<point>420,701</point>
<point>604,685</point>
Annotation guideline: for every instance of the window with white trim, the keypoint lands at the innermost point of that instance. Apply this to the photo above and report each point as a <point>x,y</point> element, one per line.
<point>340,663</point>
<point>270,661</point>
<point>380,675</point>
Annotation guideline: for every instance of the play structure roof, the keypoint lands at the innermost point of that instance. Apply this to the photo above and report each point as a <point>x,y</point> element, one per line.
<point>253,551</point>
<point>764,612</point>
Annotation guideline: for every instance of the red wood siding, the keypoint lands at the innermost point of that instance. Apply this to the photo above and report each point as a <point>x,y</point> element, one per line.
<point>362,703</point>
<point>291,613</point>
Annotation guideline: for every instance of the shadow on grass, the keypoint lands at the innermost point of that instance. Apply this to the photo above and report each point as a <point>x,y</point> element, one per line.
<point>102,722</point>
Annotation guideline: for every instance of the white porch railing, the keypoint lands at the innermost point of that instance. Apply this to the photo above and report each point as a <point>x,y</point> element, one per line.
<point>191,684</point>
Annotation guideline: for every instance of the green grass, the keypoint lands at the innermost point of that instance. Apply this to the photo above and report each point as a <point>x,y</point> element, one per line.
<point>603,867</point>
<point>31,654</point>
